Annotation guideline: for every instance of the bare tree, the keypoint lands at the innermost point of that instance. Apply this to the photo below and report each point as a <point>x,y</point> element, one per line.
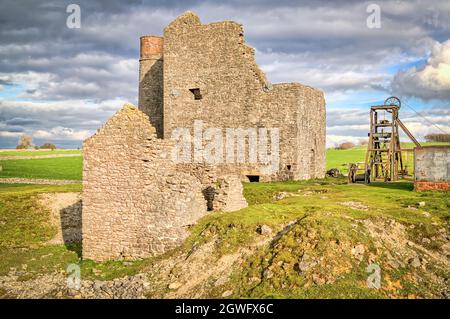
<point>25,142</point>
<point>437,138</point>
<point>48,146</point>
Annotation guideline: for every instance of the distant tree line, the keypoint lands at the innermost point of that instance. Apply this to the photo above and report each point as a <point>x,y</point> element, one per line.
<point>349,145</point>
<point>438,138</point>
<point>26,142</point>
<point>345,146</point>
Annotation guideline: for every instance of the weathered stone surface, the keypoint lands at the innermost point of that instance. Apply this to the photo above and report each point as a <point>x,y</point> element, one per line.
<point>420,186</point>
<point>432,168</point>
<point>229,194</point>
<point>263,230</point>
<point>137,202</point>
<point>66,211</point>
<point>215,60</point>
<point>358,252</point>
<point>55,285</point>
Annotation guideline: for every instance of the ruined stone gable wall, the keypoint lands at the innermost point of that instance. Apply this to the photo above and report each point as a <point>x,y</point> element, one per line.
<point>215,59</point>
<point>135,203</point>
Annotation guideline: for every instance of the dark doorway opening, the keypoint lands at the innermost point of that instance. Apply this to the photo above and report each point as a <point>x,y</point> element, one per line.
<point>209,193</point>
<point>253,178</point>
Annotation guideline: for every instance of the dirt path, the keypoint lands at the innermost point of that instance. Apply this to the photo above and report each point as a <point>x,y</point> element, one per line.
<point>7,158</point>
<point>37,181</point>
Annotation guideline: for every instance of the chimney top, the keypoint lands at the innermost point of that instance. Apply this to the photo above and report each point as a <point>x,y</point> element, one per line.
<point>151,47</point>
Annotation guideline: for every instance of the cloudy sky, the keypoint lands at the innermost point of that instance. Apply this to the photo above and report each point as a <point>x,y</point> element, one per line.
<point>60,84</point>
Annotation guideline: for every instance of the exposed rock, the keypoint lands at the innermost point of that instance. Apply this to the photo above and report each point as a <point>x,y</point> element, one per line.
<point>268,274</point>
<point>65,215</point>
<point>318,280</point>
<point>55,285</point>
<point>174,285</point>
<point>264,229</point>
<point>281,195</point>
<point>415,262</point>
<point>358,252</point>
<point>334,172</point>
<point>355,205</point>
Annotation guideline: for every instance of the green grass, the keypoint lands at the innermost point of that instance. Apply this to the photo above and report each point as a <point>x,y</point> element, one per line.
<point>25,228</point>
<point>323,196</point>
<point>69,168</point>
<point>37,152</point>
<point>316,208</point>
<point>25,231</point>
<point>341,158</point>
<point>23,222</point>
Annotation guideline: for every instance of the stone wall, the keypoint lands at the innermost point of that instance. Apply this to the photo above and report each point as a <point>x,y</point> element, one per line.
<point>136,201</point>
<point>228,195</point>
<point>235,94</point>
<point>432,168</point>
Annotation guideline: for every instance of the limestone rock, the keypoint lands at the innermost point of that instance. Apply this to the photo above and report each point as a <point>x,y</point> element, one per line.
<point>264,229</point>
<point>358,252</point>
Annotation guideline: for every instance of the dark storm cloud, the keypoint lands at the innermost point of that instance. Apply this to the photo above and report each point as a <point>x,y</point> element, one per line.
<point>22,121</point>
<point>334,36</point>
<point>5,82</point>
<point>73,79</point>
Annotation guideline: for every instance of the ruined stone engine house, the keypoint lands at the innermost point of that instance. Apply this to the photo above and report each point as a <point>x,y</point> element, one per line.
<point>138,201</point>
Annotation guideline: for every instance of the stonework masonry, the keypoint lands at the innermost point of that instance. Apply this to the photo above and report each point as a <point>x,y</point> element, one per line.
<point>138,201</point>
<point>214,60</point>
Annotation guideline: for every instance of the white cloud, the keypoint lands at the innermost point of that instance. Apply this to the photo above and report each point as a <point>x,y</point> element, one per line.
<point>352,125</point>
<point>431,81</point>
<point>87,74</point>
<point>10,134</point>
<point>62,133</point>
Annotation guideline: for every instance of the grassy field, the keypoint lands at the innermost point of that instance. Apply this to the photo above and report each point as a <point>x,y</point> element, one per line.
<point>36,152</point>
<point>316,205</point>
<point>340,158</point>
<point>68,168</point>
<point>25,228</point>
<point>25,231</point>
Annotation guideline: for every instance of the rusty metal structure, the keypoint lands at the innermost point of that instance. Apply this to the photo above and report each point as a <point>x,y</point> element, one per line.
<point>384,159</point>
